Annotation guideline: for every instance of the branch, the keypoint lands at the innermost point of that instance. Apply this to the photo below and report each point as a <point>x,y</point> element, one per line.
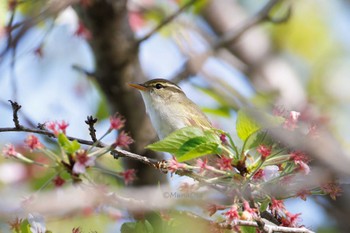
<point>266,227</point>
<point>84,71</point>
<point>42,131</point>
<point>230,37</point>
<point>90,121</point>
<point>116,152</point>
<point>120,152</point>
<point>261,16</point>
<point>259,223</point>
<point>51,8</point>
<point>166,21</point>
<point>15,107</point>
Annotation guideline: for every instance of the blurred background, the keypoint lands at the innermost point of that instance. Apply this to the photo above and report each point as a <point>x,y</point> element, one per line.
<point>65,60</point>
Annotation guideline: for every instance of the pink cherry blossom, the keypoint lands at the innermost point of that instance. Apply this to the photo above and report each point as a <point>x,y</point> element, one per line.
<point>303,194</point>
<point>129,176</point>
<point>264,151</point>
<point>174,165</point>
<point>301,160</point>
<point>33,142</point>
<point>203,165</point>
<point>291,123</point>
<point>277,206</point>
<point>117,122</point>
<point>224,163</point>
<point>290,220</point>
<point>332,189</point>
<point>123,140</point>
<point>232,214</point>
<point>63,125</point>
<point>9,151</point>
<point>82,160</point>
<point>52,126</point>
<point>250,213</point>
<point>259,175</point>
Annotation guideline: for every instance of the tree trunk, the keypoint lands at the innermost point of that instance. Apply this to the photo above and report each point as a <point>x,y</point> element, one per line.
<point>117,64</point>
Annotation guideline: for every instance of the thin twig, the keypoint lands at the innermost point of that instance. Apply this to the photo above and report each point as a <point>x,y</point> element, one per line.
<point>9,29</point>
<point>42,131</point>
<point>15,107</point>
<point>120,152</point>
<point>90,121</point>
<point>230,37</point>
<point>261,16</point>
<point>51,8</point>
<point>166,21</point>
<point>84,71</point>
<point>116,152</point>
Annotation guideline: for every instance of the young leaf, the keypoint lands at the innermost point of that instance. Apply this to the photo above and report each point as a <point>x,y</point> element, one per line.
<point>189,143</point>
<point>220,111</point>
<point>245,125</point>
<point>137,227</point>
<point>25,226</point>
<point>62,140</point>
<point>73,147</point>
<point>247,229</point>
<point>174,141</point>
<point>264,205</point>
<point>68,146</point>
<point>196,147</point>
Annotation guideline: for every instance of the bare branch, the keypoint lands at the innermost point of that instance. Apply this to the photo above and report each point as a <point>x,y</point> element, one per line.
<point>15,107</point>
<point>120,152</point>
<point>166,21</point>
<point>259,223</point>
<point>50,9</point>
<point>84,71</point>
<point>261,16</point>
<point>266,228</point>
<point>230,37</point>
<point>90,121</point>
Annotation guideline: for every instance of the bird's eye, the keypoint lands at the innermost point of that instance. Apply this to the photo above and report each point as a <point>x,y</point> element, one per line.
<point>159,86</point>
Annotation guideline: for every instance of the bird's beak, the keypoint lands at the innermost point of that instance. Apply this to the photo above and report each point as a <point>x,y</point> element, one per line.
<point>138,86</point>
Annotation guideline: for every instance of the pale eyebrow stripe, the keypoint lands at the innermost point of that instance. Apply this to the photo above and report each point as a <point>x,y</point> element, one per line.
<point>173,87</point>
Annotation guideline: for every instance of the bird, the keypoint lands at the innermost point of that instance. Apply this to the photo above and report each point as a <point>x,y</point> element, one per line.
<point>169,108</point>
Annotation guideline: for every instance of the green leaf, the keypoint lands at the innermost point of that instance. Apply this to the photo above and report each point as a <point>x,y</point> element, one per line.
<point>25,226</point>
<point>245,125</point>
<point>220,111</point>
<point>63,140</point>
<point>128,227</point>
<point>197,6</point>
<point>137,227</point>
<point>246,229</point>
<point>264,205</point>
<point>74,146</point>
<point>256,139</point>
<point>196,147</point>
<point>189,143</point>
<point>69,146</point>
<point>174,141</point>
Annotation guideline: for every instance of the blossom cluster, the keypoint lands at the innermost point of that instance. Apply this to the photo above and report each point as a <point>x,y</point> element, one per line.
<point>257,170</point>
<point>72,159</point>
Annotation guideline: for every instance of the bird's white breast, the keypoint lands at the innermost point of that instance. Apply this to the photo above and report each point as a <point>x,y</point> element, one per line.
<point>162,116</point>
